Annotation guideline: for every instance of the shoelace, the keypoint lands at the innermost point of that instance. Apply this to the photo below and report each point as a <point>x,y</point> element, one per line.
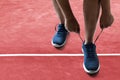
<point>90,49</point>
<point>59,30</point>
<point>81,37</point>
<point>95,39</point>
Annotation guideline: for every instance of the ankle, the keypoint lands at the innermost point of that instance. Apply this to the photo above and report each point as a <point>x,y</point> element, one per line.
<point>61,24</point>
<point>88,42</point>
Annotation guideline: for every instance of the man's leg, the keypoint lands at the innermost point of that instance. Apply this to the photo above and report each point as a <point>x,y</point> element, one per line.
<point>59,38</point>
<point>59,12</point>
<point>71,23</point>
<point>91,12</point>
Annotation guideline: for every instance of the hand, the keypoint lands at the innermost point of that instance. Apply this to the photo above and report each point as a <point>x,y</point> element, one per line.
<point>106,21</point>
<point>72,25</point>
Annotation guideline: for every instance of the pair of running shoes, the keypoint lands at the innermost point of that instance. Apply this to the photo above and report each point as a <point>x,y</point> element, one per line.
<point>91,62</point>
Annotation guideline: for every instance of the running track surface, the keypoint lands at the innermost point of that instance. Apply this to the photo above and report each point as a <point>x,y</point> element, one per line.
<point>27,26</point>
<point>55,68</point>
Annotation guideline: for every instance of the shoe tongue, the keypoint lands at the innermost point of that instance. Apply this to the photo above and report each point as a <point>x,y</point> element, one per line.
<point>61,26</point>
<point>90,45</point>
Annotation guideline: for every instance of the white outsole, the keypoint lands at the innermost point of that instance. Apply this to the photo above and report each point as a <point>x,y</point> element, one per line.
<point>58,46</point>
<point>91,71</point>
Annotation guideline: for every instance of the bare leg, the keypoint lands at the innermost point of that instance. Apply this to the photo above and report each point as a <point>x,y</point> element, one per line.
<point>91,12</point>
<point>106,17</point>
<point>59,12</point>
<point>71,23</point>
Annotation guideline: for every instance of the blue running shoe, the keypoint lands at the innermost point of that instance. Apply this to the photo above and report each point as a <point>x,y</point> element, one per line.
<point>60,36</point>
<point>91,62</point>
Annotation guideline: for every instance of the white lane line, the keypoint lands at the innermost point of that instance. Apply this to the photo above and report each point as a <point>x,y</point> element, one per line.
<point>52,55</point>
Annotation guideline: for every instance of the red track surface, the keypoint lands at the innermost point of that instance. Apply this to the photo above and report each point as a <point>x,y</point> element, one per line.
<point>55,68</point>
<point>27,26</point>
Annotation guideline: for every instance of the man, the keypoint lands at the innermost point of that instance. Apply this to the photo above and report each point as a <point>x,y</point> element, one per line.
<point>68,23</point>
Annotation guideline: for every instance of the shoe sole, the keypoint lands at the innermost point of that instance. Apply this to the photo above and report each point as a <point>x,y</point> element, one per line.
<point>90,71</point>
<point>58,46</point>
